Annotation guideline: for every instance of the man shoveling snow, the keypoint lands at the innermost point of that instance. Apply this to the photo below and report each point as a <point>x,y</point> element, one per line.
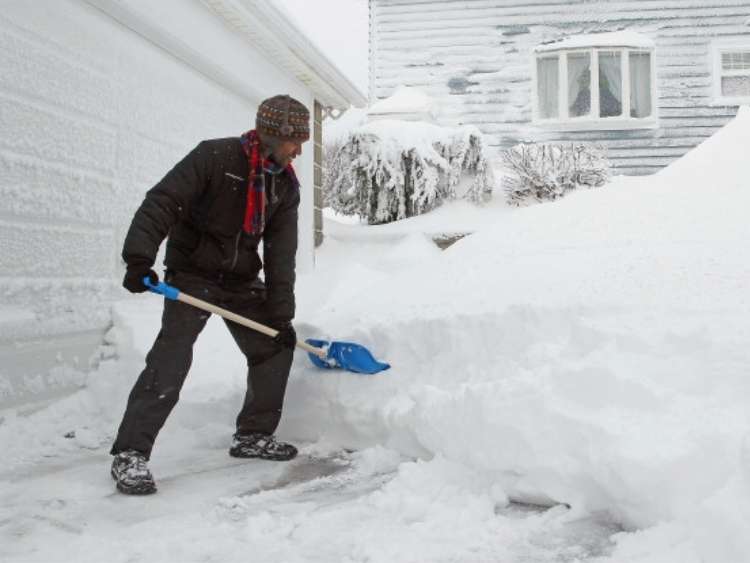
<point>216,206</point>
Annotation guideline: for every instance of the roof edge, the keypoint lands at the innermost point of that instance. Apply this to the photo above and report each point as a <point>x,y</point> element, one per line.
<point>269,29</point>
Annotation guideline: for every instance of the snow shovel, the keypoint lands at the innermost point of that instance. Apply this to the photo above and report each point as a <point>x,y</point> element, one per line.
<point>322,353</point>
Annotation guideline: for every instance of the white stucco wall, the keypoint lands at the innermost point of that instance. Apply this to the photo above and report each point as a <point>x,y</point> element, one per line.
<point>92,114</point>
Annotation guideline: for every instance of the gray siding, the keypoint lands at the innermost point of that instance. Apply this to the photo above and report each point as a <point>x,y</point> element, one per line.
<point>475,58</point>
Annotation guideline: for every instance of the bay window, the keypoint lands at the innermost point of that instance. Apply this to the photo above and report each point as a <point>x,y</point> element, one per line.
<point>598,87</point>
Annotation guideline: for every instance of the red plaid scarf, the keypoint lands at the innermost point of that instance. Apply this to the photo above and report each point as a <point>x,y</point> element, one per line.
<point>255,209</point>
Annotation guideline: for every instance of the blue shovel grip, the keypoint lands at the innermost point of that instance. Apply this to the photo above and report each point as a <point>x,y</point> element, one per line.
<point>168,291</point>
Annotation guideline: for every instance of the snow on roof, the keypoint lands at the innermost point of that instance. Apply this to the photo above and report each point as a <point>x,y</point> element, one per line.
<point>405,99</point>
<point>612,39</point>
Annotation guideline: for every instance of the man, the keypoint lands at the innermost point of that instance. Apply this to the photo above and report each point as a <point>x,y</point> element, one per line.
<point>215,207</point>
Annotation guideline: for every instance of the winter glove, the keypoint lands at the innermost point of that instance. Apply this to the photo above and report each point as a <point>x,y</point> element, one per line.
<point>134,275</point>
<point>287,337</point>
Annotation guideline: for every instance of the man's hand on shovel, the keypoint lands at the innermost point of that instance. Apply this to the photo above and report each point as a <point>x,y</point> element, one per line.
<point>287,336</point>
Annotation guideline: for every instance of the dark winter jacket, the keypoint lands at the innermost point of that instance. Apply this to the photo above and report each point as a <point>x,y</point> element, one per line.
<point>200,205</point>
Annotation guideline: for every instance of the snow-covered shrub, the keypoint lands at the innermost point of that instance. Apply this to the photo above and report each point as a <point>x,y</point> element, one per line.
<point>539,172</point>
<point>390,170</point>
<point>336,175</point>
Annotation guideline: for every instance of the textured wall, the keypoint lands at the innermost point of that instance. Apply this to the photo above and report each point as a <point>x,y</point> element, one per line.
<point>91,116</point>
<point>475,57</point>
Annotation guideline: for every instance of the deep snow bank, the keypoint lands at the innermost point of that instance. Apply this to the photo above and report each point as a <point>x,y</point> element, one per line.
<point>589,351</point>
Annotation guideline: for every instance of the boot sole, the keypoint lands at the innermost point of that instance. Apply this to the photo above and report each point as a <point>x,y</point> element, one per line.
<point>267,457</point>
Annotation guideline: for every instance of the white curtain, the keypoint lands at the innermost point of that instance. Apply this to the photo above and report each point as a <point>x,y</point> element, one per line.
<point>640,85</point>
<point>735,86</point>
<point>610,84</point>
<point>548,83</point>
<point>579,84</point>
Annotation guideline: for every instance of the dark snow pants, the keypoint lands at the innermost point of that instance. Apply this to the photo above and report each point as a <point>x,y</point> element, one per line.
<point>158,388</point>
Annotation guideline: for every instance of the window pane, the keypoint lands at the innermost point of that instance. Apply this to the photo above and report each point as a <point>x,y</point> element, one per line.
<point>735,86</point>
<point>548,81</point>
<point>579,84</point>
<point>610,84</point>
<point>735,60</point>
<point>640,84</point>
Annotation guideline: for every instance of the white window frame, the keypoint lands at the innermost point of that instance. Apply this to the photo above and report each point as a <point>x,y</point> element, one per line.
<point>593,122</point>
<point>718,73</point>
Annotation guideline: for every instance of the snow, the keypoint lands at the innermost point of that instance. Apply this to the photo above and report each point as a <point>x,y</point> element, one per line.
<point>398,136</point>
<point>405,102</point>
<point>10,315</point>
<point>92,115</point>
<point>336,130</point>
<point>587,357</point>
<point>612,39</point>
<point>391,169</point>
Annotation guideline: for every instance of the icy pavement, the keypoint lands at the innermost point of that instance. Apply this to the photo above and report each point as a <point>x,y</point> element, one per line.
<point>342,506</point>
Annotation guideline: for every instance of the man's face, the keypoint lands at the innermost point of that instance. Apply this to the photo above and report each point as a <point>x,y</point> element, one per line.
<point>286,151</point>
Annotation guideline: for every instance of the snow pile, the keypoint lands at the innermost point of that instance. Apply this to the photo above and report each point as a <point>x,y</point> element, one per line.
<point>718,166</point>
<point>335,131</point>
<point>590,351</point>
<point>406,103</point>
<point>389,170</point>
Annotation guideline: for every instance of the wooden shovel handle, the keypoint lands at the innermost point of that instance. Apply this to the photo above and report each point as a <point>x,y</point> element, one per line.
<point>234,317</point>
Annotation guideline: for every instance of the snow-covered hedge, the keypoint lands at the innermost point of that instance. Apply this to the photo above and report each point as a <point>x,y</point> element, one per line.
<point>389,170</point>
<point>539,172</point>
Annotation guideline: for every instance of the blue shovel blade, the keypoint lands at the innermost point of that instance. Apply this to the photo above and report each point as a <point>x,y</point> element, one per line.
<point>346,355</point>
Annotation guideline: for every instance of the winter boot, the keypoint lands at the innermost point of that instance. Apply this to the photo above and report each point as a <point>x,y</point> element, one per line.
<point>263,446</point>
<point>131,473</point>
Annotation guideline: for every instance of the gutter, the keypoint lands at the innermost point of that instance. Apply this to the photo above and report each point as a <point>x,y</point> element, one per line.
<point>273,33</point>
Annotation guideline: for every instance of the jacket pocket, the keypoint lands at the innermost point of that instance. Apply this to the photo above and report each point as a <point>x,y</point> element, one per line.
<point>208,255</point>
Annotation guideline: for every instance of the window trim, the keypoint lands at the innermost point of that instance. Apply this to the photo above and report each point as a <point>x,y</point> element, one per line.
<point>718,49</point>
<point>589,122</point>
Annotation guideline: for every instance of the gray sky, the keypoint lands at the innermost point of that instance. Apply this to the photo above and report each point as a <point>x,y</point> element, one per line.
<point>339,28</point>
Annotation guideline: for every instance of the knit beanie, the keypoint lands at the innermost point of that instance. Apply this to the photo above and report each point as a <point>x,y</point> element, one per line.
<point>283,117</point>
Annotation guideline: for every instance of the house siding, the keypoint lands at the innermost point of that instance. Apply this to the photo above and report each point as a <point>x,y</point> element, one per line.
<point>475,57</point>
<point>92,115</point>
<point>318,172</point>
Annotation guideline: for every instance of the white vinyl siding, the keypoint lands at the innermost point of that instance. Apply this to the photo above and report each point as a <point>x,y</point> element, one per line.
<point>93,114</point>
<point>487,48</point>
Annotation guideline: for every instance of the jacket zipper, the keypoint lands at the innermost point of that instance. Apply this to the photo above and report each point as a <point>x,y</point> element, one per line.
<point>236,249</point>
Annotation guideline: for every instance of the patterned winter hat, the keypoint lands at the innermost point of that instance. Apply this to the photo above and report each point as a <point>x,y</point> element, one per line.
<point>283,117</point>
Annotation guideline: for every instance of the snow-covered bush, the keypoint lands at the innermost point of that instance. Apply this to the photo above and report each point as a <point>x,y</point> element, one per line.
<point>539,172</point>
<point>389,170</point>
